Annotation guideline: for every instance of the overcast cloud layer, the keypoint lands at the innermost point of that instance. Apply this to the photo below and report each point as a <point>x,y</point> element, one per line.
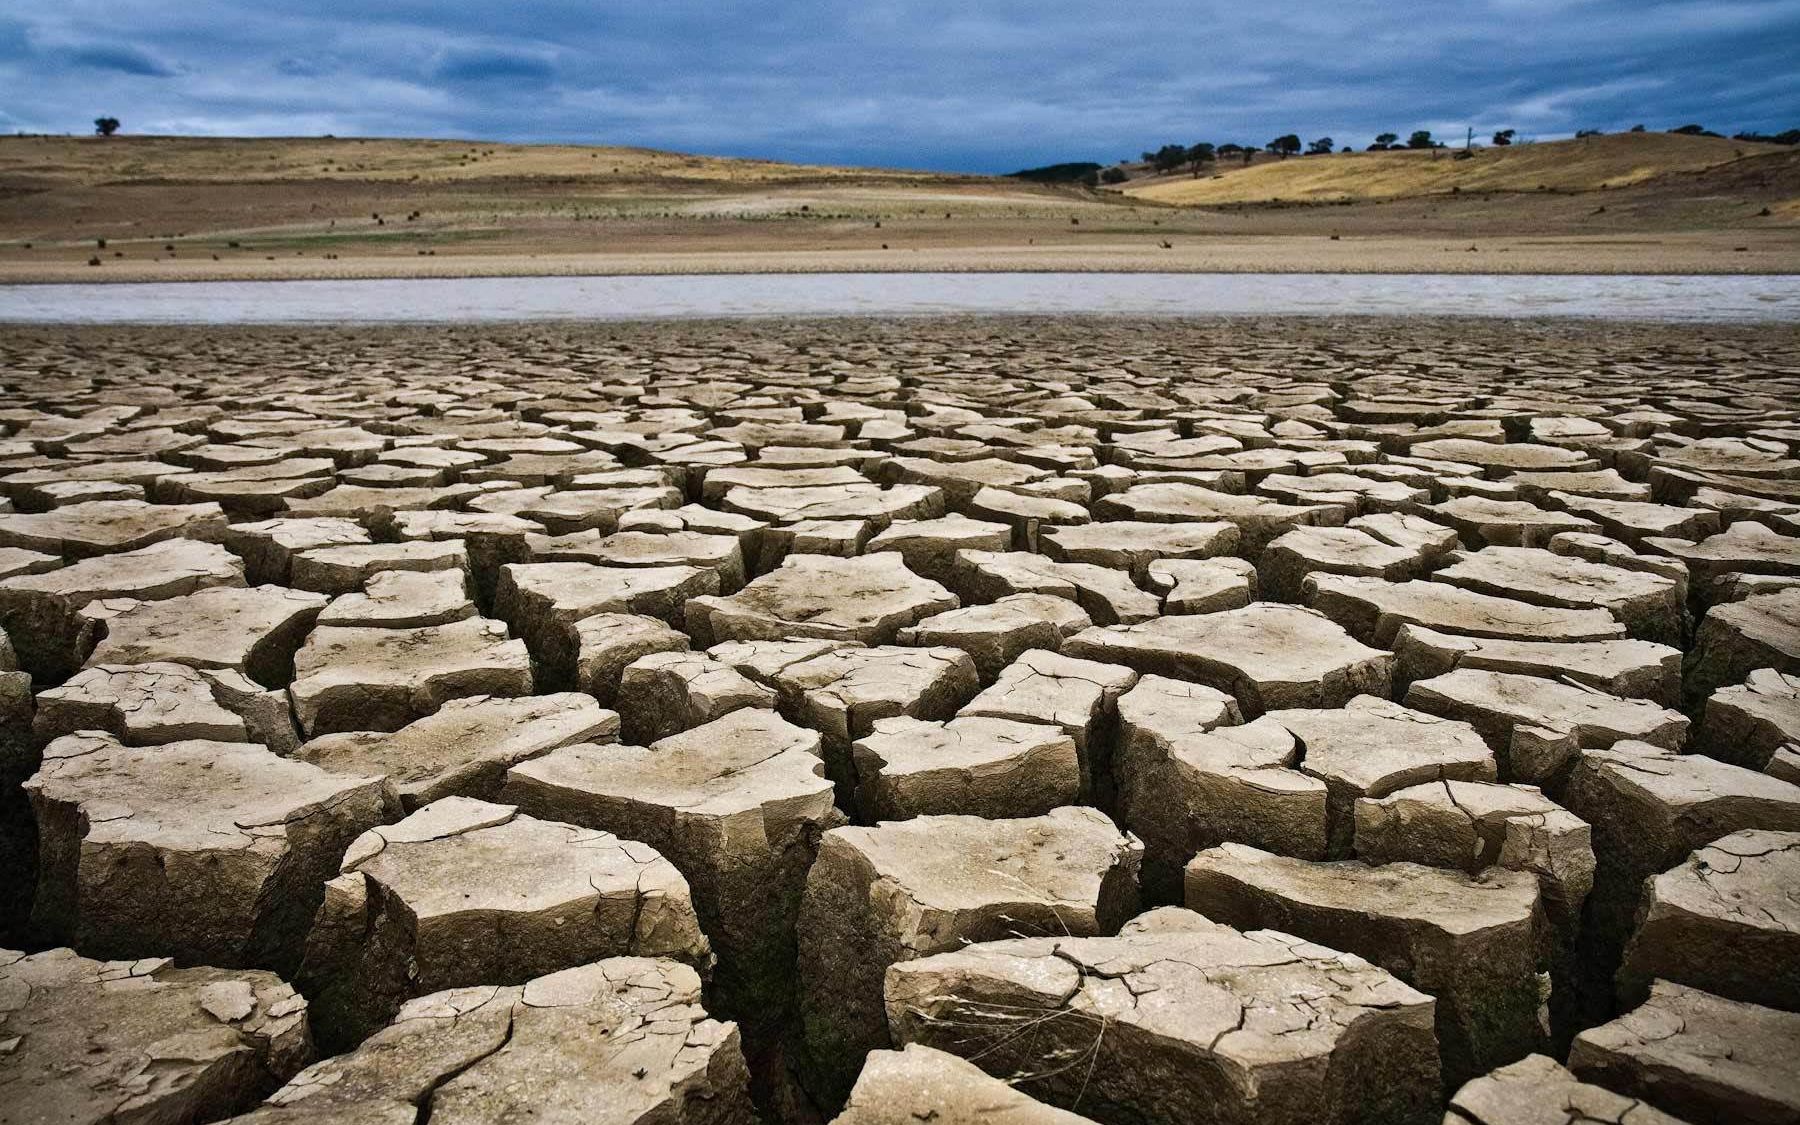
<point>975,86</point>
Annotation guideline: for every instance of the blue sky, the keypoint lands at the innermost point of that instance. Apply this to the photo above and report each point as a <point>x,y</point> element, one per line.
<point>975,86</point>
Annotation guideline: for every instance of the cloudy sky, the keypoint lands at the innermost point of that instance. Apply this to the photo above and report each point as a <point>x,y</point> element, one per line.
<point>976,85</point>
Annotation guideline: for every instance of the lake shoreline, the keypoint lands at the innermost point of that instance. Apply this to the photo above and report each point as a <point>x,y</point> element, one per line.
<point>1708,253</point>
<point>1654,298</point>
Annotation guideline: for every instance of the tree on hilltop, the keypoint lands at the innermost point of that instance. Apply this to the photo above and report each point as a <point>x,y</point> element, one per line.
<point>1421,138</point>
<point>1169,157</point>
<point>1384,141</point>
<point>105,126</point>
<point>1319,147</point>
<point>1285,146</point>
<point>1505,136</point>
<point>1198,153</point>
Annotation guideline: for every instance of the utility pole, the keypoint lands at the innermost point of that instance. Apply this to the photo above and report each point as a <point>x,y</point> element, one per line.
<point>1469,141</point>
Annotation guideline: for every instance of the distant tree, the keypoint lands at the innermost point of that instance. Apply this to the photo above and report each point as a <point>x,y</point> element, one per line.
<point>1114,175</point>
<point>1787,137</point>
<point>1689,130</point>
<point>1346,148</point>
<point>1385,140</point>
<point>1421,138</point>
<point>1149,158</point>
<point>106,126</point>
<point>1249,154</point>
<point>1319,147</point>
<point>1286,145</point>
<point>1229,149</point>
<point>1505,136</point>
<point>1637,128</point>
<point>1068,173</point>
<point>1581,133</point>
<point>1169,157</point>
<point>1198,153</point>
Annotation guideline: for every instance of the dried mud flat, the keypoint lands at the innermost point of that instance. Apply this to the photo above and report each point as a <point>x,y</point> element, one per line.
<point>877,721</point>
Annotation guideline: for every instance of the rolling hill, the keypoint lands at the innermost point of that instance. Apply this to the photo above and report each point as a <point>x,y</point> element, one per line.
<point>1588,164</point>
<point>155,208</point>
<point>129,159</point>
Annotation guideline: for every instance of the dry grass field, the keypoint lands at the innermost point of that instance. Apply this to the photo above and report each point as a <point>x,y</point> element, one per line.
<point>174,208</point>
<point>1589,164</point>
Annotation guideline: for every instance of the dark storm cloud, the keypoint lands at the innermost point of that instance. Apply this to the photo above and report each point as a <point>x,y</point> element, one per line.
<point>492,66</point>
<point>124,59</point>
<point>929,83</point>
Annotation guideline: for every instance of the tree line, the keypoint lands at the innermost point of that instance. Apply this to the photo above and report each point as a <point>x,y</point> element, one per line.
<point>1175,157</point>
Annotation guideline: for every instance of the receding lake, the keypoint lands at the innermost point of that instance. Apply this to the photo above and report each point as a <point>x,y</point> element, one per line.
<point>1658,297</point>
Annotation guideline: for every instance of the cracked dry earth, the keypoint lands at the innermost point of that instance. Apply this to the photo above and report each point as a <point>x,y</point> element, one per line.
<point>889,722</point>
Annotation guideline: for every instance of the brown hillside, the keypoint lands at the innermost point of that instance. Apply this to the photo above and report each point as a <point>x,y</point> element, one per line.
<point>128,159</point>
<point>1588,164</point>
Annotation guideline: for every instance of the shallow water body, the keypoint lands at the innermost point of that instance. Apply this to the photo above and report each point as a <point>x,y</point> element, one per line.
<point>1719,298</point>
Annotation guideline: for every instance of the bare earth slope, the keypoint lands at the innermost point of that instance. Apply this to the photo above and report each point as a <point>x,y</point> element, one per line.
<point>171,208</point>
